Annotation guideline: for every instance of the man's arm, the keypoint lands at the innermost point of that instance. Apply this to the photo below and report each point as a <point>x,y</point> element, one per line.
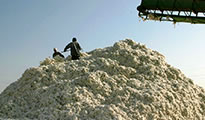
<point>61,55</point>
<point>78,46</point>
<point>68,46</point>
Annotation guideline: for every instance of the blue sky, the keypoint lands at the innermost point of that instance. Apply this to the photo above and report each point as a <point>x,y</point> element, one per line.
<point>30,29</point>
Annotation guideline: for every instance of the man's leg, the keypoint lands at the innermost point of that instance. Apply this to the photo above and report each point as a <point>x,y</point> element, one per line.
<point>75,57</point>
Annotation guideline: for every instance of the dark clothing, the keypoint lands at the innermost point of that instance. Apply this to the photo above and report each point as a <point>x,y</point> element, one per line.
<point>75,49</point>
<point>57,53</point>
<point>75,57</point>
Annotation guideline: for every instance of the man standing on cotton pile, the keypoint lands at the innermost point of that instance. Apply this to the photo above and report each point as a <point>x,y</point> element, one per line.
<point>75,49</point>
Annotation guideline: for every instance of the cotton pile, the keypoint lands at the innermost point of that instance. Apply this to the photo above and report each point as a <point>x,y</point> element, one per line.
<point>126,81</point>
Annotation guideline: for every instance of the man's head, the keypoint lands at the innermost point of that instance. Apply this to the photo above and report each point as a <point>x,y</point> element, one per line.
<point>74,39</point>
<point>55,50</point>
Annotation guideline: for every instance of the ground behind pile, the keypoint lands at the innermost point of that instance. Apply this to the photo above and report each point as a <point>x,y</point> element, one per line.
<point>126,81</point>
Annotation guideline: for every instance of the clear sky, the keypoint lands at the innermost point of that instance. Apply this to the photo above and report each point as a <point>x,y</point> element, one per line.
<point>30,29</point>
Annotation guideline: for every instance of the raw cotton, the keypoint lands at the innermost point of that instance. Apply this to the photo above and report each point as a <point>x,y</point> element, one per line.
<point>126,81</point>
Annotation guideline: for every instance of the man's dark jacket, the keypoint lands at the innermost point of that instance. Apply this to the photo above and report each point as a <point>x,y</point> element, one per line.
<point>57,53</point>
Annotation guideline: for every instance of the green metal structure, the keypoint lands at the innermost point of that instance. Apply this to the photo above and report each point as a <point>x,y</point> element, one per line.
<point>191,11</point>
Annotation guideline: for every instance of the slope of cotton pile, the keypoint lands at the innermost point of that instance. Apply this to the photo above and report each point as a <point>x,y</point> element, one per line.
<point>126,81</point>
